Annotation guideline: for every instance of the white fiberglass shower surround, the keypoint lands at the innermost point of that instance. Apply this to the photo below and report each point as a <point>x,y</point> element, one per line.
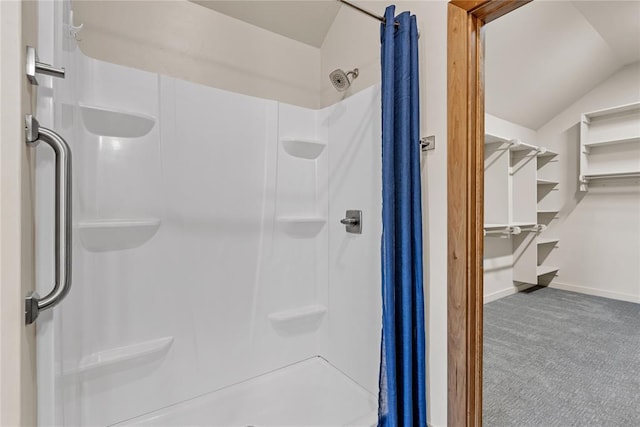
<point>213,283</point>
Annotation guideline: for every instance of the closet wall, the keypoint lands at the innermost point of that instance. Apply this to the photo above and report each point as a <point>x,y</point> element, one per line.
<point>592,237</point>
<point>599,229</point>
<point>519,202</point>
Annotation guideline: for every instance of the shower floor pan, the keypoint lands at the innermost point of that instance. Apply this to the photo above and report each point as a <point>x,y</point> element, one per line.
<point>308,393</point>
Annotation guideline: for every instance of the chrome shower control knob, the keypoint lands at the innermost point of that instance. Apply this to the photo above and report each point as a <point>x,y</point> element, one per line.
<point>349,221</point>
<point>352,221</point>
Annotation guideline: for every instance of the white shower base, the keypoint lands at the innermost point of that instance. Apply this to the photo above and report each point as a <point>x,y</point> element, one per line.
<point>308,393</point>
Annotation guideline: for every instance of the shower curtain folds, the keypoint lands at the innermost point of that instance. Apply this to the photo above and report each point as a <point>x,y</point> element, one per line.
<point>402,371</point>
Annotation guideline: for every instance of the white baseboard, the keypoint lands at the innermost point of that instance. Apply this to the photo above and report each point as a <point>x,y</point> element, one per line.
<point>494,296</point>
<point>595,292</point>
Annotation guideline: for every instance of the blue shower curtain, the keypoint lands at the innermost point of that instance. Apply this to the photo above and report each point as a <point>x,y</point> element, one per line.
<point>402,371</point>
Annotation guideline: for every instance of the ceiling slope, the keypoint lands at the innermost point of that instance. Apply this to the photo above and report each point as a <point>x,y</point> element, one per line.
<point>545,55</point>
<point>539,58</point>
<point>618,22</point>
<point>305,21</point>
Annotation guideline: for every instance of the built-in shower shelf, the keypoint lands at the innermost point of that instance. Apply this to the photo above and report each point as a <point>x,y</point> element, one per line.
<point>302,226</point>
<point>119,355</point>
<point>116,234</point>
<point>303,148</point>
<point>115,123</point>
<point>300,319</point>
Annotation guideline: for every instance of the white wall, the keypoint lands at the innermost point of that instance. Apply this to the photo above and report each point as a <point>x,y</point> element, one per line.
<point>18,26</point>
<point>191,42</point>
<point>355,182</point>
<point>354,41</point>
<point>599,230</point>
<point>497,126</point>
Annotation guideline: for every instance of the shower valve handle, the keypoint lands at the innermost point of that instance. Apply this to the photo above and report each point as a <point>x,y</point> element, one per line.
<point>349,221</point>
<point>352,221</point>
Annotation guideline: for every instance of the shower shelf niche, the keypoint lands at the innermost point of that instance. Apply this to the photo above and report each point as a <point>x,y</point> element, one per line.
<point>301,226</point>
<point>303,148</point>
<point>298,320</point>
<point>116,234</point>
<point>114,123</point>
<point>119,355</point>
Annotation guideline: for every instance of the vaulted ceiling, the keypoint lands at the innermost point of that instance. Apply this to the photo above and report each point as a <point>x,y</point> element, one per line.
<point>546,55</point>
<point>539,58</point>
<point>305,21</point>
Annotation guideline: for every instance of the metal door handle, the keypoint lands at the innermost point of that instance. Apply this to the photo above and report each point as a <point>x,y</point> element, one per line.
<point>33,303</point>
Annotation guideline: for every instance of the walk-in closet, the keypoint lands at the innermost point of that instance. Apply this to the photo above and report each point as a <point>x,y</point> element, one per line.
<point>562,216</point>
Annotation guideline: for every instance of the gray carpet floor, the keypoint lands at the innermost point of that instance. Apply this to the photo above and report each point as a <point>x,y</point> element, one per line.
<point>557,358</point>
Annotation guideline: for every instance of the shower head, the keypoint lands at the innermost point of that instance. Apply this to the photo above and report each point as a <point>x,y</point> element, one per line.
<point>340,79</point>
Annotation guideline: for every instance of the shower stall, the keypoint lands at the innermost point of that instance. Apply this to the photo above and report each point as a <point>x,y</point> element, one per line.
<point>216,279</point>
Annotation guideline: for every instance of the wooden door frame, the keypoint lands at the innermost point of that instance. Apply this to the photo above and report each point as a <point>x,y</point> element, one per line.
<point>465,202</point>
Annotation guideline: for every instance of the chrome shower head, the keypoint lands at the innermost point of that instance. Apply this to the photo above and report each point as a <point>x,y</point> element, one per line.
<point>340,79</point>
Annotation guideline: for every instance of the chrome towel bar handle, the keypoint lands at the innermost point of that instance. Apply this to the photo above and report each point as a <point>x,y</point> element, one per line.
<point>34,67</point>
<point>33,303</point>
